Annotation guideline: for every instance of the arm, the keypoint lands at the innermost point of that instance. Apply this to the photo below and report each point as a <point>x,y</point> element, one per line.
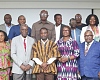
<point>14,53</point>
<point>29,31</point>
<point>51,60</point>
<point>53,34</point>
<point>11,34</point>
<point>82,35</point>
<point>76,50</point>
<point>33,32</point>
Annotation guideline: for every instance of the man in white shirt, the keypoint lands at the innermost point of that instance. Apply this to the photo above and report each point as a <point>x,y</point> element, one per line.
<point>58,26</point>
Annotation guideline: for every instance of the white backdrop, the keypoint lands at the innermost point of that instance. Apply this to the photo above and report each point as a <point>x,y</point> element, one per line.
<point>32,15</point>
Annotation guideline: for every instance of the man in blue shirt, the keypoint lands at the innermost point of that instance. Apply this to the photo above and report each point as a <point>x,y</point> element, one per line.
<point>15,30</point>
<point>89,61</point>
<point>75,32</point>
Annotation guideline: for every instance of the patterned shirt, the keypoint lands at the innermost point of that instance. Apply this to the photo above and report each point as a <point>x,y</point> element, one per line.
<point>67,70</point>
<point>44,53</point>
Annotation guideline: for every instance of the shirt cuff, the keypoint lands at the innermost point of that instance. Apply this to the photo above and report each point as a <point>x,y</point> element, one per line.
<point>51,60</point>
<point>37,61</point>
<point>31,63</point>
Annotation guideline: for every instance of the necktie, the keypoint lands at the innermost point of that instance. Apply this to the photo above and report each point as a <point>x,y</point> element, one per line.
<point>24,44</point>
<point>87,48</point>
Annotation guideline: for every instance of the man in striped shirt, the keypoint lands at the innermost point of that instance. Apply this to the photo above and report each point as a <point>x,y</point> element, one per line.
<point>45,52</point>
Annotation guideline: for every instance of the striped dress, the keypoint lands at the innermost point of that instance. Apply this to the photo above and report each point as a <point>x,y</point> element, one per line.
<point>67,70</point>
<point>44,52</point>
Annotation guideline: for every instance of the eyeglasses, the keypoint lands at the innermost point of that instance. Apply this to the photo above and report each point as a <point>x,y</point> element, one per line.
<point>77,17</point>
<point>66,30</point>
<point>88,35</point>
<point>44,14</point>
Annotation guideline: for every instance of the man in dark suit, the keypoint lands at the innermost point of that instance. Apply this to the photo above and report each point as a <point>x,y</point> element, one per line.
<point>89,62</point>
<point>58,26</point>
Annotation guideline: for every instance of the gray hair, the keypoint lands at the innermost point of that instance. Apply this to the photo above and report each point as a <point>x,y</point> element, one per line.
<point>23,25</point>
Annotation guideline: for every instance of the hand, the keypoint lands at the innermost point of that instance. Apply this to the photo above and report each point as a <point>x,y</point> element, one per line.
<point>64,59</point>
<point>22,67</point>
<point>78,75</point>
<point>99,74</point>
<point>44,65</point>
<point>46,68</point>
<point>28,67</point>
<point>60,59</point>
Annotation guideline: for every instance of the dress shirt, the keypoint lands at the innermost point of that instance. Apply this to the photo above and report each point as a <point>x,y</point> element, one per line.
<point>57,29</point>
<point>25,41</point>
<point>75,34</point>
<point>8,28</point>
<point>38,25</point>
<point>38,61</point>
<point>15,31</point>
<point>89,44</point>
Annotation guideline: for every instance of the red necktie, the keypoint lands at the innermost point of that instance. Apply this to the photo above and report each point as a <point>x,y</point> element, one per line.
<point>24,44</point>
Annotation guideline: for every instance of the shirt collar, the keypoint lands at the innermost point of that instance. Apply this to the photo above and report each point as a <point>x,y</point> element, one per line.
<point>47,22</point>
<point>23,38</point>
<point>61,40</point>
<point>89,43</point>
<point>44,41</point>
<point>8,26</point>
<point>57,26</point>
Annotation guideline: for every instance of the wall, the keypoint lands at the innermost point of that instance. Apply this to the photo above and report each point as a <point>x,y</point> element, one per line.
<point>55,4</point>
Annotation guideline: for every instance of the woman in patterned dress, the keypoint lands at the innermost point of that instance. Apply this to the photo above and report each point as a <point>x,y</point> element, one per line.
<point>5,62</point>
<point>67,64</point>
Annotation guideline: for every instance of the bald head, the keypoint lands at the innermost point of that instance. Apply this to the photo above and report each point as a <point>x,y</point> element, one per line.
<point>88,36</point>
<point>24,30</point>
<point>43,15</point>
<point>44,11</point>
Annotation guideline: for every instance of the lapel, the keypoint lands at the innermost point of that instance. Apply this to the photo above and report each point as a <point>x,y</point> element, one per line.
<point>21,43</point>
<point>61,31</point>
<point>91,48</point>
<point>28,43</point>
<point>83,48</point>
<point>4,27</point>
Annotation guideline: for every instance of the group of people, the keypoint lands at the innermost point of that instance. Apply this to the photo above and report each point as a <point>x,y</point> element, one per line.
<point>51,52</point>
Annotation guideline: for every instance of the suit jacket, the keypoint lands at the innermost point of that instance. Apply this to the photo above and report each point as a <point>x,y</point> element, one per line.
<point>3,27</point>
<point>89,65</point>
<point>61,28</point>
<point>19,55</point>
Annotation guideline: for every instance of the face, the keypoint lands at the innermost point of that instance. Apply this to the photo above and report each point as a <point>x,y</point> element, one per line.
<point>21,20</point>
<point>73,23</point>
<point>92,20</point>
<point>78,18</point>
<point>66,32</point>
<point>88,36</point>
<point>24,31</point>
<point>58,20</point>
<point>44,34</point>
<point>43,15</point>
<point>2,37</point>
<point>7,19</point>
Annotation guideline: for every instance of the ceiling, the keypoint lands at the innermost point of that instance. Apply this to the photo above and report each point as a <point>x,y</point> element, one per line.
<point>49,0</point>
